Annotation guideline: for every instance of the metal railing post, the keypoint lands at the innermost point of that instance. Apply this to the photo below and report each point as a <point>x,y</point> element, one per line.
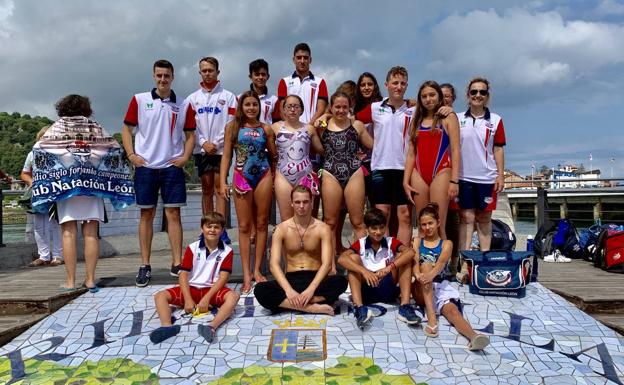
<point>542,206</point>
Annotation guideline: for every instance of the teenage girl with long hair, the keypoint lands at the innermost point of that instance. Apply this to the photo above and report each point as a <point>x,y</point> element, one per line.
<point>252,180</point>
<point>433,158</point>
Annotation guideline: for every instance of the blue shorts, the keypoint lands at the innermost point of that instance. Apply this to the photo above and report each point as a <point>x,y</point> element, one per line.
<point>387,188</point>
<point>170,182</point>
<point>386,292</point>
<point>479,196</point>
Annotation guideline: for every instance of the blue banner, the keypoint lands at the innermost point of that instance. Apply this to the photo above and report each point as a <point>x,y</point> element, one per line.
<point>73,160</point>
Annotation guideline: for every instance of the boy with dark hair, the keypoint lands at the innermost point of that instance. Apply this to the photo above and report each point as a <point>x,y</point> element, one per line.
<point>375,264</point>
<point>259,75</point>
<point>310,88</point>
<point>205,270</point>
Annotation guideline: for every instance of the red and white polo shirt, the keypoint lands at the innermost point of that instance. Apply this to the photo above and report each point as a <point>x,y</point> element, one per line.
<point>478,136</point>
<point>373,261</point>
<point>310,89</point>
<point>160,125</point>
<point>204,266</point>
<point>391,133</point>
<point>214,109</point>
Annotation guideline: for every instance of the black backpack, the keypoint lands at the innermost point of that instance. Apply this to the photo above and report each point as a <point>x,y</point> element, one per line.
<point>543,239</point>
<point>502,236</point>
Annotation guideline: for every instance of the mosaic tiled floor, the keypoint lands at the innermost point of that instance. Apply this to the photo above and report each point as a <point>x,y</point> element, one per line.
<point>104,338</point>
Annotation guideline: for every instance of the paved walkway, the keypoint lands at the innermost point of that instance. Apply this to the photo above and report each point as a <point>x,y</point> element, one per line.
<point>540,339</point>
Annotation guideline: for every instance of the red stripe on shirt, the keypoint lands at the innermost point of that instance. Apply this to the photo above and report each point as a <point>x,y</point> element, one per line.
<point>174,118</point>
<point>132,115</point>
<point>282,91</point>
<point>189,119</point>
<point>499,136</point>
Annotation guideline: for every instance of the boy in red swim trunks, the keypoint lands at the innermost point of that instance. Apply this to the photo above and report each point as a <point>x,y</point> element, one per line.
<point>206,268</point>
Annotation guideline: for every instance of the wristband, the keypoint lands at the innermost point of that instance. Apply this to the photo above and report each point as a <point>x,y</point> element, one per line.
<point>454,181</point>
<point>129,155</point>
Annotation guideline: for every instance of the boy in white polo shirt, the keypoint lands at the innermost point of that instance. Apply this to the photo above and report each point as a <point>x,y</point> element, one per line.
<point>303,83</point>
<point>162,145</point>
<point>215,108</point>
<point>391,120</point>
<point>375,265</point>
<point>205,270</point>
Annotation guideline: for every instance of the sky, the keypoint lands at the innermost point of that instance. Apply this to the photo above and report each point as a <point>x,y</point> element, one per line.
<point>556,67</point>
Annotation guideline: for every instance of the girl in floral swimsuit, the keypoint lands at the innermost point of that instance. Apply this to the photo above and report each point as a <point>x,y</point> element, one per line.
<point>252,180</point>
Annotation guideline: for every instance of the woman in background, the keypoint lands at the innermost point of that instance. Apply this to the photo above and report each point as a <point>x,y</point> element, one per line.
<point>44,228</point>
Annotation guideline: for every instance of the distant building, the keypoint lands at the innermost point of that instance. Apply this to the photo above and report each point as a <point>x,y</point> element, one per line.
<point>565,178</point>
<point>515,181</point>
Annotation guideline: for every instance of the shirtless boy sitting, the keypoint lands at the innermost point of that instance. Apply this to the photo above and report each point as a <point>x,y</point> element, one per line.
<point>306,244</point>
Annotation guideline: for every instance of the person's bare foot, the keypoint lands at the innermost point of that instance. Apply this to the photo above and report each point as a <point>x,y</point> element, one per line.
<point>258,277</point>
<point>320,309</point>
<point>247,286</point>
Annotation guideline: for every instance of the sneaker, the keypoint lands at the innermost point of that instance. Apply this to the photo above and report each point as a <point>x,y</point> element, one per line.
<point>175,270</point>
<point>363,316</point>
<point>164,332</point>
<point>550,258</point>
<point>561,258</point>
<point>208,332</point>
<point>408,315</point>
<point>143,276</point>
<point>225,238</point>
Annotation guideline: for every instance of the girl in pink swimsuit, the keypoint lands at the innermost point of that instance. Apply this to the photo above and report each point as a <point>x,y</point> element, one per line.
<point>432,162</point>
<point>293,140</point>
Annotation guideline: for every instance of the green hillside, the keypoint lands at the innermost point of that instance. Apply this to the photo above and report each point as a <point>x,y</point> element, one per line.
<point>17,136</point>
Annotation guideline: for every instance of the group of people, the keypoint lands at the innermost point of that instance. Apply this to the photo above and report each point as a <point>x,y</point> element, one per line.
<point>301,145</point>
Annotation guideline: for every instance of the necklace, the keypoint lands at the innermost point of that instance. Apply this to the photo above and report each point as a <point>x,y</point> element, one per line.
<point>301,236</point>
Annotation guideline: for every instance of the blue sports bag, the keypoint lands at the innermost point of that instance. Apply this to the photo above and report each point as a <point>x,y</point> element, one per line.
<point>499,273</point>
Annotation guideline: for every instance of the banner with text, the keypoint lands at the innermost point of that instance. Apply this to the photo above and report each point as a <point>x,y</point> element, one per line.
<point>71,162</point>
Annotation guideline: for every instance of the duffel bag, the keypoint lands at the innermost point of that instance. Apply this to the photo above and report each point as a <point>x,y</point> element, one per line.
<point>499,273</point>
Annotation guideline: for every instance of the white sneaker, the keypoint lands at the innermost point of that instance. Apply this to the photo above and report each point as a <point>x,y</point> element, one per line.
<point>550,258</point>
<point>561,258</point>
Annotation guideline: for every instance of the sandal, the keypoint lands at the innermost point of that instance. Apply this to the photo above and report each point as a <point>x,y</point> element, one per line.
<point>479,342</point>
<point>431,331</point>
<point>57,262</point>
<point>38,262</point>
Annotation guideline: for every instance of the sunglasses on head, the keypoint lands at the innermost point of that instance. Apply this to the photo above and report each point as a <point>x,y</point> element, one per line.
<point>481,92</point>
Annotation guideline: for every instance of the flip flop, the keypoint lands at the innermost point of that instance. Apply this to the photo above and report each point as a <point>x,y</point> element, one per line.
<point>64,289</point>
<point>196,313</point>
<point>432,332</point>
<point>92,289</point>
<point>249,288</point>
<point>479,342</point>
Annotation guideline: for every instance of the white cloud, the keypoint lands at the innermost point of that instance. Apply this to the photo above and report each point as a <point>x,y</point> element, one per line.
<point>609,8</point>
<point>522,48</point>
<point>363,54</point>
